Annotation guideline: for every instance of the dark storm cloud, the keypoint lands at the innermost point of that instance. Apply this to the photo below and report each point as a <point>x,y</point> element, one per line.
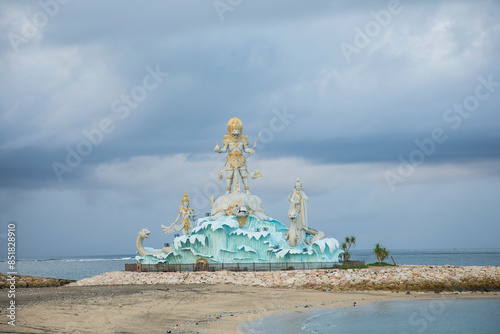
<point>385,149</point>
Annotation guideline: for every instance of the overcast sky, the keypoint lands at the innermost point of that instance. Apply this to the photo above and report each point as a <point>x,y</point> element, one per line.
<point>388,112</point>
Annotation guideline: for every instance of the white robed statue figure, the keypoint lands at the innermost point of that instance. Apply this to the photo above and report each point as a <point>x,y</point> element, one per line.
<point>300,201</point>
<point>300,232</point>
<point>187,215</point>
<point>297,215</point>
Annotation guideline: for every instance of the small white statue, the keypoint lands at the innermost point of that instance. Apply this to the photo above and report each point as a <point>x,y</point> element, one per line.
<point>236,144</point>
<point>187,215</point>
<point>297,214</point>
<point>299,201</point>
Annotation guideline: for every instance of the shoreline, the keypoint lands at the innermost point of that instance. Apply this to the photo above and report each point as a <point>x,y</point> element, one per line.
<point>180,308</point>
<point>221,302</point>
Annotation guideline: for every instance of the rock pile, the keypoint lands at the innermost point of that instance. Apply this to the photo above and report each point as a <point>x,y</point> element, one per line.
<point>30,281</point>
<point>399,278</point>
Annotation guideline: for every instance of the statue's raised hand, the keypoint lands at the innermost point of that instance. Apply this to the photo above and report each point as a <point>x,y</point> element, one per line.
<point>250,151</point>
<point>217,148</point>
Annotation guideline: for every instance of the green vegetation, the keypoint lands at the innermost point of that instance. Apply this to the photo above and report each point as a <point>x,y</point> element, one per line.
<point>350,266</point>
<point>288,268</point>
<point>346,245</point>
<point>379,264</point>
<point>381,253</point>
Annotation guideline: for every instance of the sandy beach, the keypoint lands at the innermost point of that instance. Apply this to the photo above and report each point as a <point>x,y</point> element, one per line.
<point>180,308</point>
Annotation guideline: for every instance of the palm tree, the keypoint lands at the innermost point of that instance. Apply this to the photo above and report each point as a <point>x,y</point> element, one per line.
<point>344,255</point>
<point>381,253</point>
<point>346,245</point>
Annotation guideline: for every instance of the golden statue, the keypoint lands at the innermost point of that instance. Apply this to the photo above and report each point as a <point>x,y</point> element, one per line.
<point>187,215</point>
<point>236,144</point>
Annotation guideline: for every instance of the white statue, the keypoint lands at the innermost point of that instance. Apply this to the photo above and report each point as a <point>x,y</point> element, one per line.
<point>297,214</point>
<point>299,202</point>
<point>295,235</point>
<point>236,144</point>
<point>187,215</point>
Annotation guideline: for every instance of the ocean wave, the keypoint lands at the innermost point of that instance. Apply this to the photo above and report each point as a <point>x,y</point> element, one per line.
<point>35,260</point>
<point>111,259</point>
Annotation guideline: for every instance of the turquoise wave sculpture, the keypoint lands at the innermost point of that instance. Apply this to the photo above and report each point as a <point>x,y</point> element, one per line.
<point>224,241</point>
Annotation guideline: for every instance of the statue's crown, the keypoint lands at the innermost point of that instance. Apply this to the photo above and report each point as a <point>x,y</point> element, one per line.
<point>185,198</point>
<point>234,124</point>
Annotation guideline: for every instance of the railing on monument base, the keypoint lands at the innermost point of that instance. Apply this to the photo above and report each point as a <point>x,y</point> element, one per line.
<point>187,267</point>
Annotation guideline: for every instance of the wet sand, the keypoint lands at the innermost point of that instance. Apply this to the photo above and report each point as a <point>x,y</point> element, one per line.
<point>180,308</point>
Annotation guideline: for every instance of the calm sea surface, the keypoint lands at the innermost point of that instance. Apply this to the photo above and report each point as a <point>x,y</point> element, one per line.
<point>464,316</point>
<point>70,267</point>
<point>87,266</point>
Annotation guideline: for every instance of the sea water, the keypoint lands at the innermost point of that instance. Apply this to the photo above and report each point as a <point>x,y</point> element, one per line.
<point>79,267</point>
<point>438,257</point>
<point>446,315</point>
<point>73,268</point>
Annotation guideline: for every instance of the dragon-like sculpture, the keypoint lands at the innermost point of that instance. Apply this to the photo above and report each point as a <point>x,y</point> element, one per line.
<point>143,234</point>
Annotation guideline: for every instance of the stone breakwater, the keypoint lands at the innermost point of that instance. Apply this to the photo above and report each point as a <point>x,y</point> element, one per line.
<point>399,278</point>
<point>30,281</point>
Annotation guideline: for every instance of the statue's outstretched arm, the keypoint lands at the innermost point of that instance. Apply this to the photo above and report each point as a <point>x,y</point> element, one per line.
<point>169,229</point>
<point>176,219</point>
<point>221,150</point>
<point>248,150</point>
<point>173,227</point>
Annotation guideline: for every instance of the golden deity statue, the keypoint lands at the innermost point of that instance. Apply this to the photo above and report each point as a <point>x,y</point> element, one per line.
<point>187,215</point>
<point>236,144</point>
